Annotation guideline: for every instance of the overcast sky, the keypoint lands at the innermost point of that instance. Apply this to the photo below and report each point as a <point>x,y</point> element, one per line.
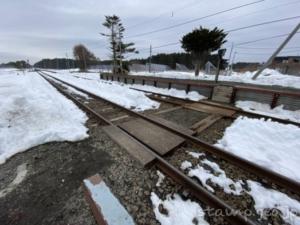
<point>36,29</point>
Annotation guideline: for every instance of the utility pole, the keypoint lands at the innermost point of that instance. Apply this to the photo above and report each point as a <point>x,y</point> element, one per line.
<point>150,58</point>
<point>270,60</point>
<point>230,54</point>
<point>84,59</point>
<point>120,49</point>
<point>221,53</point>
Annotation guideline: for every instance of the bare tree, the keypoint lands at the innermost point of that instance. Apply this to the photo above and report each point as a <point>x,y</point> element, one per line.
<point>84,56</point>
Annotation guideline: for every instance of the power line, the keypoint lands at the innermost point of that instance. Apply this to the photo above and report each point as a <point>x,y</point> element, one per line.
<point>255,48</point>
<point>264,39</point>
<point>194,20</point>
<point>261,24</point>
<point>165,13</point>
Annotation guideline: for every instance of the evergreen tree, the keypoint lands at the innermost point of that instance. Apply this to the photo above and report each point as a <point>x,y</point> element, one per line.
<point>118,47</point>
<point>200,43</point>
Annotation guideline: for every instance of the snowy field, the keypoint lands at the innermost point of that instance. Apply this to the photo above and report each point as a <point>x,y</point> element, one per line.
<point>270,144</point>
<point>33,112</point>
<point>90,78</point>
<point>268,77</point>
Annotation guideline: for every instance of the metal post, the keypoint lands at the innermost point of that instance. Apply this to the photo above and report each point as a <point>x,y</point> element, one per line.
<point>150,58</point>
<point>270,60</point>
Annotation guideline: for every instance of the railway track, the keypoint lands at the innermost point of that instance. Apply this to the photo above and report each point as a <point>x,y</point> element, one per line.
<point>182,102</point>
<point>197,190</point>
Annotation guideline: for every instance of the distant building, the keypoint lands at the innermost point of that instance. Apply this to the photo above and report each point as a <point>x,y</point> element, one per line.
<point>287,65</point>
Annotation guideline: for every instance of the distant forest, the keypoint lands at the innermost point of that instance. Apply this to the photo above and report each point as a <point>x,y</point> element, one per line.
<point>177,58</point>
<point>166,59</point>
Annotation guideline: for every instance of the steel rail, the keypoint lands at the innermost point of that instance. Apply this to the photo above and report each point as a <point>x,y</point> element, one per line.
<point>219,106</point>
<point>245,164</point>
<point>233,216</point>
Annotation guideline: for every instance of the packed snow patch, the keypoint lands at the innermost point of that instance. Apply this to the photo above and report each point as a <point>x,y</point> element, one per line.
<point>270,144</point>
<point>33,112</point>
<point>178,211</point>
<point>21,174</point>
<point>111,91</point>
<point>161,178</point>
<point>195,155</point>
<point>265,109</point>
<point>272,199</point>
<point>216,175</point>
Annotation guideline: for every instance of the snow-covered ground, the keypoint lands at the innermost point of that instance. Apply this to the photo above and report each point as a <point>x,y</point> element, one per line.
<point>270,144</point>
<point>111,91</point>
<point>89,77</point>
<point>264,198</point>
<point>268,77</point>
<point>265,109</point>
<point>32,112</point>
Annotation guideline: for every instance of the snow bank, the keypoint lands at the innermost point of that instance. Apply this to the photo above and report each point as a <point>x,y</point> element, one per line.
<point>33,112</point>
<point>119,94</point>
<point>272,199</point>
<point>268,77</point>
<point>192,95</point>
<point>179,212</point>
<point>265,109</point>
<point>269,144</point>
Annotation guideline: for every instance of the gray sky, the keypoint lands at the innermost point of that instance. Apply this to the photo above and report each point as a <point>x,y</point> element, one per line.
<point>36,29</point>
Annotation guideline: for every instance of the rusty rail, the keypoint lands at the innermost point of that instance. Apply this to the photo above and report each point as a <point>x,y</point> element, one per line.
<point>232,216</point>
<point>247,165</point>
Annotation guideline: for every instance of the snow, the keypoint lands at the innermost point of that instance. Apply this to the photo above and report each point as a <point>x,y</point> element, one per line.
<point>270,144</point>
<point>185,165</point>
<point>161,178</point>
<point>268,77</point>
<point>33,113</point>
<point>195,155</point>
<point>192,95</point>
<point>265,109</point>
<point>272,199</point>
<point>116,93</point>
<point>21,174</point>
<point>216,175</point>
<point>179,212</point>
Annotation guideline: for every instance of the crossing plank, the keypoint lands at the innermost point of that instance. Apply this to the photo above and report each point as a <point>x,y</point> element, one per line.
<point>172,125</point>
<point>209,109</point>
<point>205,123</point>
<point>160,140</point>
<point>139,151</point>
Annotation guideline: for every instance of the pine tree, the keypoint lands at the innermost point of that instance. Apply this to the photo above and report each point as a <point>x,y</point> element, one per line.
<point>118,47</point>
<point>201,42</point>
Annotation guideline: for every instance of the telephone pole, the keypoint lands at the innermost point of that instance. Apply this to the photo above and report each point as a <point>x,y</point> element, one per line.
<point>270,60</point>
<point>150,58</point>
